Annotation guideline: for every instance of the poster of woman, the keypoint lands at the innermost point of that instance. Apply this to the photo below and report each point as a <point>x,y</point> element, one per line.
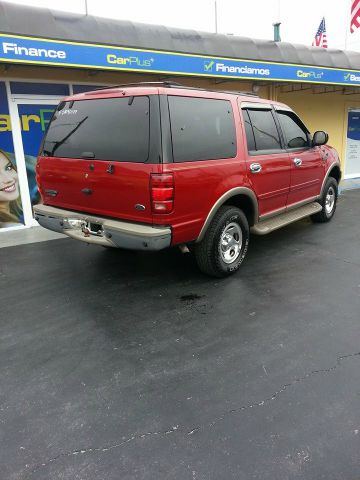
<point>10,203</point>
<point>11,214</point>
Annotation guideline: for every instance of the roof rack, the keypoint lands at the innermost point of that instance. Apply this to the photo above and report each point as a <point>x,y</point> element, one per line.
<point>168,84</point>
<point>237,92</point>
<point>143,84</point>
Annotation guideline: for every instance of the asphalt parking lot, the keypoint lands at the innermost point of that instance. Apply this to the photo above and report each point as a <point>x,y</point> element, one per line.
<point>120,365</point>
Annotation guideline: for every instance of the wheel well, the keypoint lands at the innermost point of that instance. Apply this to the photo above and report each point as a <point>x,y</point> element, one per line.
<point>244,203</point>
<point>335,173</point>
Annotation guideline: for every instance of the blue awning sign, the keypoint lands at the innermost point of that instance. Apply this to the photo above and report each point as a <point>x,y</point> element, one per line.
<point>39,51</point>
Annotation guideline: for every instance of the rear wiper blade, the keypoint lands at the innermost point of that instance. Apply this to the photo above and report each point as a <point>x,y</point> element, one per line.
<point>63,140</point>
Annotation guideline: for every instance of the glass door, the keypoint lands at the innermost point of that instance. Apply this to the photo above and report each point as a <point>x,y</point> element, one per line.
<point>34,116</point>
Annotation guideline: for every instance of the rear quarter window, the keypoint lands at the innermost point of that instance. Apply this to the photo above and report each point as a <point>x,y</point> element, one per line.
<point>201,129</point>
<point>115,129</point>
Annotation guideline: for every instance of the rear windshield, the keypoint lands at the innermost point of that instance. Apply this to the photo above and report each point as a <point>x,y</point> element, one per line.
<point>114,129</point>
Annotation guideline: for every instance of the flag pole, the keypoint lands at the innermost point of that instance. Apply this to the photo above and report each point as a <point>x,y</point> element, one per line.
<point>216,22</point>
<point>86,8</point>
<point>347,28</point>
<point>278,12</point>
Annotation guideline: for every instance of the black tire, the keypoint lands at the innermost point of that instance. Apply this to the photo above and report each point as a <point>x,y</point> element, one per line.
<point>328,206</point>
<point>212,254</point>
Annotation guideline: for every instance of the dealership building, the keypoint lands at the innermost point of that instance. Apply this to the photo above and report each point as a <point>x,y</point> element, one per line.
<point>46,55</point>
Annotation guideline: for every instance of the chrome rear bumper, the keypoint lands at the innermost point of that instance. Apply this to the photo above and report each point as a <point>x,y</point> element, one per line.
<point>110,233</point>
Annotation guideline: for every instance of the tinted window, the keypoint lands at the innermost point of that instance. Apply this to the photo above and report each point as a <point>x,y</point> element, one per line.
<point>249,132</point>
<point>295,132</point>
<point>265,131</point>
<point>39,88</point>
<point>201,129</point>
<point>103,129</point>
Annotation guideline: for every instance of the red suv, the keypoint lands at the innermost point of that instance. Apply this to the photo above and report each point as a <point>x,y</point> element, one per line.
<point>149,166</point>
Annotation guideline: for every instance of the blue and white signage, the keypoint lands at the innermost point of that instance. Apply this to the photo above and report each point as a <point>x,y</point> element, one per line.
<point>37,51</point>
<point>352,165</point>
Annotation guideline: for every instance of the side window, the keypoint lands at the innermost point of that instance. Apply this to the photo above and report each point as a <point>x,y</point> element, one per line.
<point>295,133</point>
<point>266,134</point>
<point>201,129</point>
<point>249,132</point>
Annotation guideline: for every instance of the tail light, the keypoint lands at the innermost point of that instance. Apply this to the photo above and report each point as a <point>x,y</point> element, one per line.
<point>38,178</point>
<point>162,192</point>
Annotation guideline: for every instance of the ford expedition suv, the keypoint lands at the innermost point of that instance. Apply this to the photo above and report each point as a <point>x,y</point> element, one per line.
<point>150,166</point>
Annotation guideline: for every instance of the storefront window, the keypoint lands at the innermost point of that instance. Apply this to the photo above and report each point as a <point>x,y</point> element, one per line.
<point>32,88</point>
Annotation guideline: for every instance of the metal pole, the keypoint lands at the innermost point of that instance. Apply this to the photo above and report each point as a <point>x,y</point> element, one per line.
<point>347,28</point>
<point>86,8</point>
<point>278,12</point>
<point>216,24</point>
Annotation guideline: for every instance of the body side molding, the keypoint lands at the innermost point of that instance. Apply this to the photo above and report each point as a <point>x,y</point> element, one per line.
<point>334,164</point>
<point>220,201</point>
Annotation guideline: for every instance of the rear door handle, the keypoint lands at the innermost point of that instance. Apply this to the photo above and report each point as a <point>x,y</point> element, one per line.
<point>255,167</point>
<point>297,162</point>
<point>86,191</point>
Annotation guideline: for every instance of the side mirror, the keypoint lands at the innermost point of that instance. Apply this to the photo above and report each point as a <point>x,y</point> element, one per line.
<point>320,138</point>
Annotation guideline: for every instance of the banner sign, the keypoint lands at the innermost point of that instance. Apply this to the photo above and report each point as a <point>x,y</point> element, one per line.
<point>37,51</point>
<point>352,165</point>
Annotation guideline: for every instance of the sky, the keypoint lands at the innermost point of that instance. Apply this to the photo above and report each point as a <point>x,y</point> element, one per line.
<point>249,18</point>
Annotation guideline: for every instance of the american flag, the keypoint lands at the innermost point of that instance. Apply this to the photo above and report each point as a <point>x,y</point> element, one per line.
<point>320,39</point>
<point>355,14</point>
